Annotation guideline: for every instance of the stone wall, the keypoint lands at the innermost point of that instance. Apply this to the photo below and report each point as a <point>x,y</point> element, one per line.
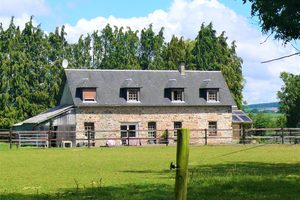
<point>107,121</point>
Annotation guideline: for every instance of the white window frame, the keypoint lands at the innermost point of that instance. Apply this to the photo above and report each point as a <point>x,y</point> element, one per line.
<point>89,131</point>
<point>176,128</point>
<point>84,100</point>
<point>213,128</point>
<point>124,138</point>
<point>127,128</point>
<point>216,92</point>
<point>152,134</point>
<point>135,90</point>
<point>173,95</point>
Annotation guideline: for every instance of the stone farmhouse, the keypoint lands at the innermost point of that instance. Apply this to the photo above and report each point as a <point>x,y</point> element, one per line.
<point>138,103</point>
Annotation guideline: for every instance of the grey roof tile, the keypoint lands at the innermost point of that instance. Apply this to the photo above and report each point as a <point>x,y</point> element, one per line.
<point>152,85</point>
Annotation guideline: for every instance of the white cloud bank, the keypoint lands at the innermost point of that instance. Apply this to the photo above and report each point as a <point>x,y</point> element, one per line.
<point>184,18</point>
<point>22,11</point>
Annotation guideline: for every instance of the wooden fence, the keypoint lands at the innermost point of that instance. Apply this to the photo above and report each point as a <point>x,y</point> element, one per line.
<point>165,137</point>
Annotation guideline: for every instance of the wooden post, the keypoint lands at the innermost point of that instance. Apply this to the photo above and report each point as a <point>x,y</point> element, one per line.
<point>10,139</point>
<point>49,138</point>
<point>89,139</point>
<point>205,136</point>
<point>167,137</point>
<point>128,137</point>
<point>282,139</point>
<point>243,134</point>
<point>182,159</point>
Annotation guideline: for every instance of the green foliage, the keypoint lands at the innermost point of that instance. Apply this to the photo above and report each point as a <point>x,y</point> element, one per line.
<point>278,17</point>
<point>213,53</point>
<point>281,121</point>
<point>32,77</point>
<point>268,120</point>
<point>262,121</point>
<point>269,172</point>
<point>151,46</point>
<point>289,97</point>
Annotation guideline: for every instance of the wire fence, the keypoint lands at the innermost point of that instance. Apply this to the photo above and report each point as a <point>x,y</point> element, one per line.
<point>148,137</point>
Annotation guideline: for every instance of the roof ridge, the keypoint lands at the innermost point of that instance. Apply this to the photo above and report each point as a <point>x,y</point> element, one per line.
<point>139,70</point>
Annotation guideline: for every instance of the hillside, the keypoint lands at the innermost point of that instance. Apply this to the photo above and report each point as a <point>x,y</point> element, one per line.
<point>262,107</point>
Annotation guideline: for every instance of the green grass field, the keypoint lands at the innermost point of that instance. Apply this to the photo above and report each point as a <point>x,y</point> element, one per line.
<point>215,172</point>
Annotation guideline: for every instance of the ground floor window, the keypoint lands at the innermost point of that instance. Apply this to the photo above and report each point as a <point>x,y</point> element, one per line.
<point>212,128</point>
<point>89,134</point>
<point>152,132</point>
<point>129,130</point>
<point>177,125</point>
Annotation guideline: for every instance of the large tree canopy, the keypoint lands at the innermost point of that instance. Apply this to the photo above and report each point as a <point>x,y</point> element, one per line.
<point>211,52</point>
<point>281,17</point>
<point>290,98</point>
<point>31,75</point>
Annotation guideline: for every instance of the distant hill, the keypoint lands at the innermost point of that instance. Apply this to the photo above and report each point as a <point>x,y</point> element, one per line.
<point>262,107</point>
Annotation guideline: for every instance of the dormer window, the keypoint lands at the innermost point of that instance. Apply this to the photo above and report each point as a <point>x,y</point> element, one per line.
<point>89,94</point>
<point>133,95</point>
<point>177,95</point>
<point>212,95</point>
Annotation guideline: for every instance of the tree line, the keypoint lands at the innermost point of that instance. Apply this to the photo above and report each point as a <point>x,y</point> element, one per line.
<point>31,75</point>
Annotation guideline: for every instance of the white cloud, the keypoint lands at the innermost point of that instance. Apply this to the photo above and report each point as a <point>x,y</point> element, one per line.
<point>21,11</point>
<point>18,8</point>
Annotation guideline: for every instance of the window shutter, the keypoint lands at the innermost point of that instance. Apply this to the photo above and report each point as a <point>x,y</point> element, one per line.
<point>89,94</point>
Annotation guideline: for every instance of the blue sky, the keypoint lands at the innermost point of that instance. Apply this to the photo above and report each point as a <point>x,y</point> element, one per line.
<point>71,11</point>
<point>178,17</point>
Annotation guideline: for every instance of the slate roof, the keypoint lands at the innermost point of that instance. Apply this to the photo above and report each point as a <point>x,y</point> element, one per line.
<point>152,84</point>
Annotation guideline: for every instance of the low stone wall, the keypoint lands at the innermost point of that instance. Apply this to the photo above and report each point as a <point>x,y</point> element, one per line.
<point>107,121</point>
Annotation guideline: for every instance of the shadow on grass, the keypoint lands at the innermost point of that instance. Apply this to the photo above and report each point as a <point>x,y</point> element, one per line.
<point>214,182</point>
<point>245,181</point>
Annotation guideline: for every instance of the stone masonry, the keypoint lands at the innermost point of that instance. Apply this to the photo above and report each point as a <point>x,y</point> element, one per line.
<point>107,121</point>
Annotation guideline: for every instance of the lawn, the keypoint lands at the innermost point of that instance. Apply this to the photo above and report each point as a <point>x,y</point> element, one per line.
<point>216,172</point>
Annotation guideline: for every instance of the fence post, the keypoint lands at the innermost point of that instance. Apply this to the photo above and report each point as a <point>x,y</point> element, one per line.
<point>167,137</point>
<point>10,139</point>
<point>290,134</point>
<point>89,139</point>
<point>243,135</point>
<point>205,136</point>
<point>182,159</point>
<point>49,138</point>
<point>128,138</point>
<point>282,139</point>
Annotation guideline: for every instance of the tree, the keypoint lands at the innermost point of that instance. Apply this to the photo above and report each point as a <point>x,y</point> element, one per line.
<point>212,52</point>
<point>261,120</point>
<point>289,97</point>
<point>173,53</point>
<point>278,17</point>
<point>151,46</point>
<point>281,121</point>
<point>30,71</point>
<point>205,51</point>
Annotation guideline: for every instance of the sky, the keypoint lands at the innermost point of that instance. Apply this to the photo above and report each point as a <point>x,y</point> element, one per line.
<point>178,17</point>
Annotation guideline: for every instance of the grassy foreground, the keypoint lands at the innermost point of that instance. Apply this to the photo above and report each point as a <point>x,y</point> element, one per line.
<point>216,172</point>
